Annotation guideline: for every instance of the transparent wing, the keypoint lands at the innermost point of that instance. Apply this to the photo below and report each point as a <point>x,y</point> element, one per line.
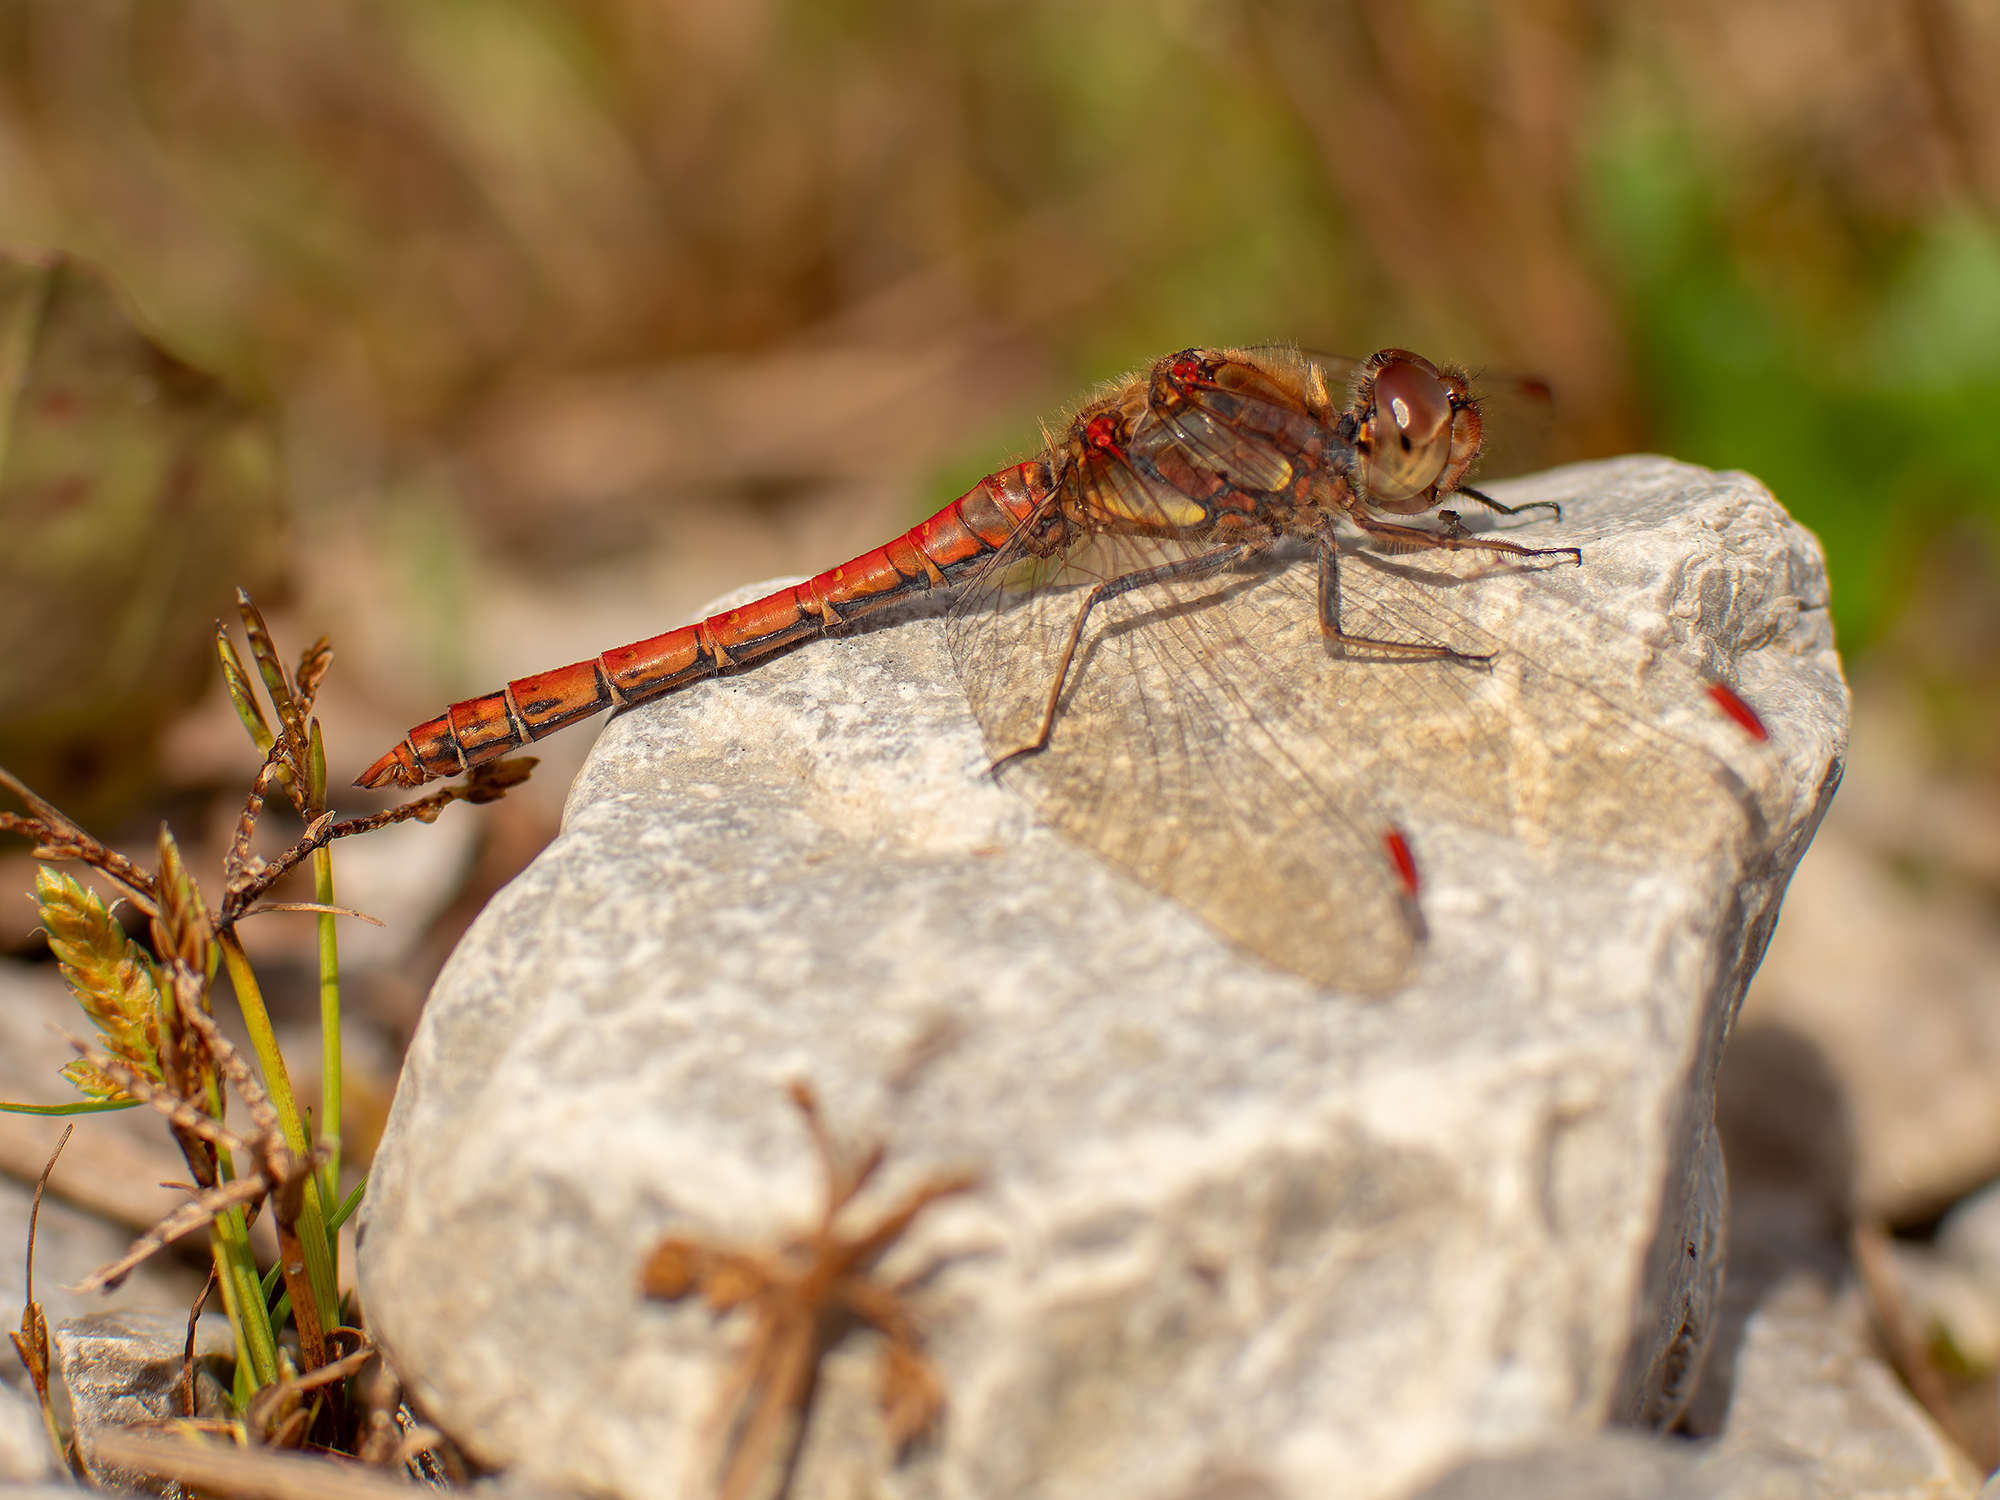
<point>1578,730</point>
<point>1180,753</point>
<point>1211,741</point>
<point>1519,422</point>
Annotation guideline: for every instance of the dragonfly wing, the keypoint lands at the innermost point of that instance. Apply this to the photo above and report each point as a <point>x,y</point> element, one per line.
<point>1580,730</point>
<point>1518,418</point>
<point>1214,743</point>
<point>1180,755</point>
<point>1244,460</point>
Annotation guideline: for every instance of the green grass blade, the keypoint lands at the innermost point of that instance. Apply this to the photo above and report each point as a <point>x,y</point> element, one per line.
<point>256,1347</point>
<point>348,1205</point>
<point>81,1107</point>
<point>278,1084</point>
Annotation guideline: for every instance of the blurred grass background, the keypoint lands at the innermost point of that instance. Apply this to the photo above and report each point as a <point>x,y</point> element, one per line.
<point>571,315</point>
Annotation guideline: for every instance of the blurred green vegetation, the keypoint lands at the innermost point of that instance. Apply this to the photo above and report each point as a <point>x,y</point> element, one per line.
<point>1753,234</point>
<point>1850,359</point>
<point>134,493</point>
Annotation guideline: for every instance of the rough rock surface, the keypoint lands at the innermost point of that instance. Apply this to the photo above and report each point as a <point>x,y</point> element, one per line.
<point>1231,1223</point>
<point>122,1368</point>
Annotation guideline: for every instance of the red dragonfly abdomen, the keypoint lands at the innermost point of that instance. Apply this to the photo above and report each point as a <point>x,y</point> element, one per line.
<point>937,553</point>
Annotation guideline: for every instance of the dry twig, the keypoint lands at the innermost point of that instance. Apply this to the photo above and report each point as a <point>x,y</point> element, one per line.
<point>1902,1339</point>
<point>184,1387</point>
<point>278,1416</point>
<point>57,839</point>
<point>240,1473</point>
<point>251,877</point>
<point>804,1297</point>
<point>32,1342</point>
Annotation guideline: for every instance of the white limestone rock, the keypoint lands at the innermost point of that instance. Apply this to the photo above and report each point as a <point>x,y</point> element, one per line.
<point>1231,1223</point>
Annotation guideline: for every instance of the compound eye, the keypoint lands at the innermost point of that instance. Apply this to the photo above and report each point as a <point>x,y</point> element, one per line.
<point>1408,436</point>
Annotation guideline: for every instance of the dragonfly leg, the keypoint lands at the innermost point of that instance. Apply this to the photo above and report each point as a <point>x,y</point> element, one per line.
<point>1329,614</point>
<point>1451,536</point>
<point>1111,588</point>
<point>1507,510</point>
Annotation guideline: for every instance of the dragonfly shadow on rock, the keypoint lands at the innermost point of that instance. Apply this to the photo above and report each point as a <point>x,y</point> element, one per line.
<point>1156,612</point>
<point>1420,578</point>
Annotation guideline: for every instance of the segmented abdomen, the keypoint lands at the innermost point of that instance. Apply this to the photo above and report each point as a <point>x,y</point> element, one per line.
<point>935,554</point>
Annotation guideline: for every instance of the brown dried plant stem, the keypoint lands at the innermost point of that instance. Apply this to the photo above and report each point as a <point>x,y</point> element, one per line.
<point>184,1387</point>
<point>57,839</point>
<point>487,783</point>
<point>242,1474</point>
<point>32,1342</point>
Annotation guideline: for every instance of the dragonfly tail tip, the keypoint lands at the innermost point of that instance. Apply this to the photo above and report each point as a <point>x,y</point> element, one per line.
<point>397,768</point>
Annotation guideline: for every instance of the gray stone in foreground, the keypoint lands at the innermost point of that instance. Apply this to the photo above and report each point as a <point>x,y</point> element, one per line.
<point>122,1368</point>
<point>1234,1229</point>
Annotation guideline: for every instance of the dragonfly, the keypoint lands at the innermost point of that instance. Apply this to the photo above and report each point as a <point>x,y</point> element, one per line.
<point>1202,633</point>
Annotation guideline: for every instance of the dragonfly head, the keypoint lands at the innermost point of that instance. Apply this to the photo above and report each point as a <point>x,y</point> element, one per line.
<point>1417,432</point>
